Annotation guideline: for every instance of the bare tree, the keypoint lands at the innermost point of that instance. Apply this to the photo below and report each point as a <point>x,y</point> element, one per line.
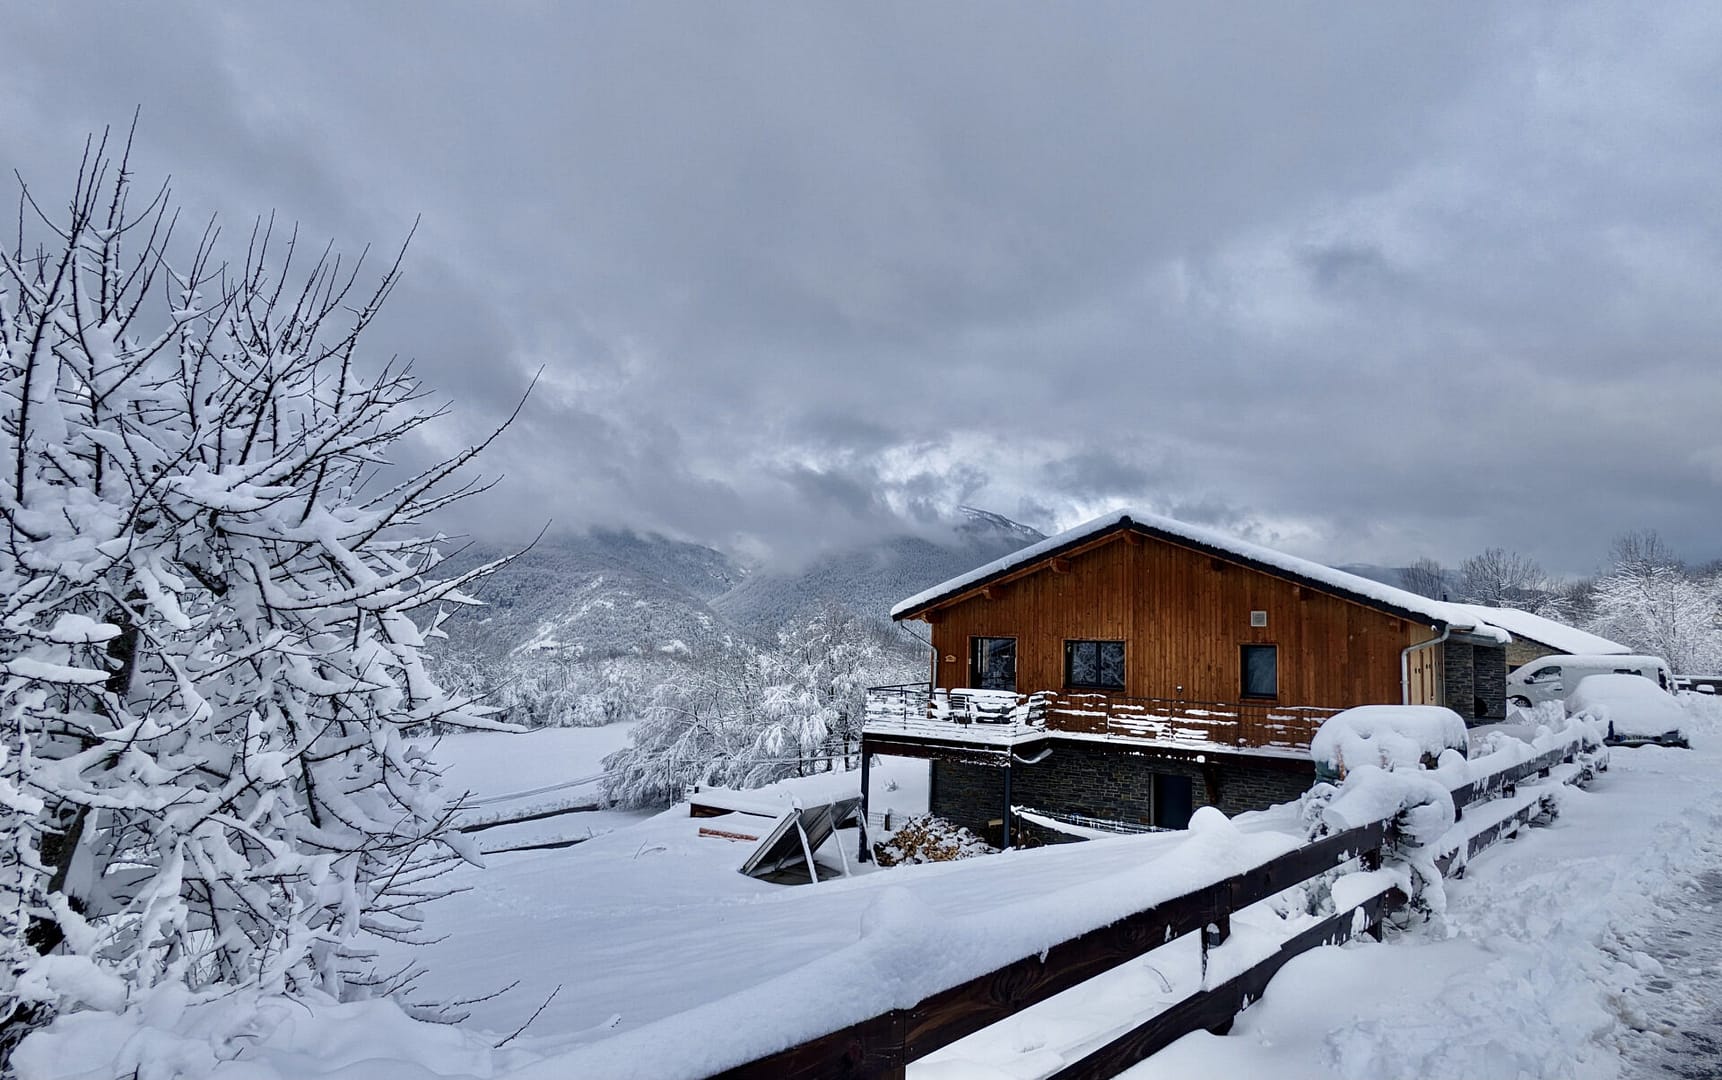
<point>212,630</point>
<point>1425,577</point>
<point>1501,578</point>
<point>1642,550</point>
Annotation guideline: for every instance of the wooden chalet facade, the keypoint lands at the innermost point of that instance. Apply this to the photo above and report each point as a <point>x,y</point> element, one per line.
<point>1135,667</point>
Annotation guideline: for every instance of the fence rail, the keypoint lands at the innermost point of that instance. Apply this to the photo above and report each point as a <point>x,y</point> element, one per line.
<point>883,1045</point>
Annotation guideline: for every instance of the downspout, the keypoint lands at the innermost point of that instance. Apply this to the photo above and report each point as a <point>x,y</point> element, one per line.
<point>1405,662</point>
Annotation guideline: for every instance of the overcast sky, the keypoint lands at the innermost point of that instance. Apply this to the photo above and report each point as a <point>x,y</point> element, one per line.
<point>1363,282</point>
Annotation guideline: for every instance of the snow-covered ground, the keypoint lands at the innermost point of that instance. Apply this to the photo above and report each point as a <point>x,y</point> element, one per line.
<point>1544,964</point>
<point>511,775</point>
<point>491,763</point>
<point>1541,966</point>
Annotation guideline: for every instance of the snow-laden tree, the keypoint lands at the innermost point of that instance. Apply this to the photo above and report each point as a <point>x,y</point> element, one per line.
<point>836,656</point>
<point>745,716</point>
<point>692,730</point>
<point>1649,600</point>
<point>211,616</point>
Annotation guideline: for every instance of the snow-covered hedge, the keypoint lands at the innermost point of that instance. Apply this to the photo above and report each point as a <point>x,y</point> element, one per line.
<point>1386,736</point>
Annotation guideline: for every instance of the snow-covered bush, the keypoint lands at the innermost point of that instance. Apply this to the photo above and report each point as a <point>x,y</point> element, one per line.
<point>1418,804</point>
<point>926,838</point>
<point>1703,712</point>
<point>210,648</point>
<point>1386,736</point>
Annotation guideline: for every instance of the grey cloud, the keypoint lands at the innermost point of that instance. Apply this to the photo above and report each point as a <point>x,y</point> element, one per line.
<point>1372,281</point>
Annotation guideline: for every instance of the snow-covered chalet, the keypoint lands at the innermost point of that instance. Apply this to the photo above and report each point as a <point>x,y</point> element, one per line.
<point>1535,636</point>
<point>1134,668</point>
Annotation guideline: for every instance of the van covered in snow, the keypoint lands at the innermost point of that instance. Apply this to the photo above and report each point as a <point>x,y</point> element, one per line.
<point>1552,678</point>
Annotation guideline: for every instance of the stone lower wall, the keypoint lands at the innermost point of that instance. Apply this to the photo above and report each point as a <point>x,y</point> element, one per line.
<point>1458,674</point>
<point>1110,783</point>
<point>1489,681</point>
<point>1521,652</point>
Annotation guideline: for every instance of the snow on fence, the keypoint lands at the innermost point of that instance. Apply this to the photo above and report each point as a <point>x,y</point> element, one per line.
<point>882,1043</point>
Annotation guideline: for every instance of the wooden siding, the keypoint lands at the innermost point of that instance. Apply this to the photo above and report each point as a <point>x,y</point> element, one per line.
<point>1183,615</point>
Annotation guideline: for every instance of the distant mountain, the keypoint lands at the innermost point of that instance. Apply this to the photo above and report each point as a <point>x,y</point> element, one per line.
<point>609,594</point>
<point>592,596</point>
<point>870,579</point>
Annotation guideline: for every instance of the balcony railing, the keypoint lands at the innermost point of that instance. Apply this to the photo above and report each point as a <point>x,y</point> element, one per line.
<point>995,716</point>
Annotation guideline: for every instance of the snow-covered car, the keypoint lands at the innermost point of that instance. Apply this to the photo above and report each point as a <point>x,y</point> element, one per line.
<point>1551,678</point>
<point>1634,709</point>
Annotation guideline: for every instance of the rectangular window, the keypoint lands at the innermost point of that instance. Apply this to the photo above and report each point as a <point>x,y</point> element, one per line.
<point>992,663</point>
<point>1094,665</point>
<point>1261,668</point>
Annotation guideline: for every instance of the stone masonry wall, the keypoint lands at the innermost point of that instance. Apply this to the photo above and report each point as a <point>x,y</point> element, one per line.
<point>1489,676</point>
<point>1521,652</point>
<point>1460,689</point>
<point>1109,783</point>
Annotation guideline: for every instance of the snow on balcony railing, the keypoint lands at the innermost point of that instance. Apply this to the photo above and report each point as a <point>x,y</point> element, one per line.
<point>991,716</point>
<point>982,716</point>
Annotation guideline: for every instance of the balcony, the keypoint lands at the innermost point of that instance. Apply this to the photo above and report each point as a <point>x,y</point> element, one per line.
<point>1005,718</point>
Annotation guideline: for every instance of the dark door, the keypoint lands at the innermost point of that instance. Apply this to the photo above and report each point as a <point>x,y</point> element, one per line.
<point>1174,801</point>
<point>992,664</point>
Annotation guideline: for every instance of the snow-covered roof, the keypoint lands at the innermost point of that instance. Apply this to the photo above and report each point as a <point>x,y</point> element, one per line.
<point>1374,593</point>
<point>1556,635</point>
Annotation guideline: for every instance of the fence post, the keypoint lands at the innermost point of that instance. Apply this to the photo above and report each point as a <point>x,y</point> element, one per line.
<point>1371,860</point>
<point>1214,934</point>
<point>864,855</point>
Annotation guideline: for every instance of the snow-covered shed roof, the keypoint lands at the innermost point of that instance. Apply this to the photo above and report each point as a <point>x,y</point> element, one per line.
<point>1556,635</point>
<point>1350,586</point>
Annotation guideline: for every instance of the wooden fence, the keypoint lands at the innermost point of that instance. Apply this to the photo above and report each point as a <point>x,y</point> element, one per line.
<point>882,1046</point>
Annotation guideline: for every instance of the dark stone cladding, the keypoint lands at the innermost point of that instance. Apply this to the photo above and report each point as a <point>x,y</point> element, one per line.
<point>1108,782</point>
<point>1458,687</point>
<point>1489,675</point>
<point>1475,680</point>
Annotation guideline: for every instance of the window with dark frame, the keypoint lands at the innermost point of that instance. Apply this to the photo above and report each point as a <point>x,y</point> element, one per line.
<point>1094,665</point>
<point>1261,671</point>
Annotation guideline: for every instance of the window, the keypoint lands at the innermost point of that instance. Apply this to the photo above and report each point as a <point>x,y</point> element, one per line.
<point>1094,665</point>
<point>1261,669</point>
<point>992,663</point>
